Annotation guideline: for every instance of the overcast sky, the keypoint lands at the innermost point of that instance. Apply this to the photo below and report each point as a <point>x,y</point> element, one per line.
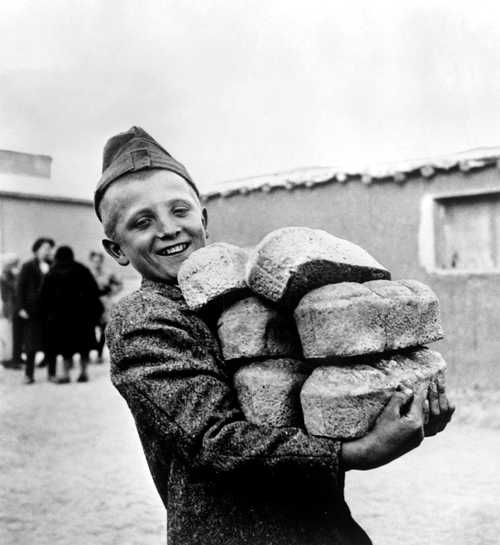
<point>237,88</point>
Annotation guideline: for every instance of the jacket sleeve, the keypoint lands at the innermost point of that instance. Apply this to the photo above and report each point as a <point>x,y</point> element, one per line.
<point>22,287</point>
<point>164,373</point>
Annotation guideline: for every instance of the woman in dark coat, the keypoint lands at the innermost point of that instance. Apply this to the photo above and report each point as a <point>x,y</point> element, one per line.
<point>28,299</point>
<point>71,307</point>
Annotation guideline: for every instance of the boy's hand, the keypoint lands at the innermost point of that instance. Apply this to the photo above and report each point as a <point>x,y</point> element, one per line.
<point>439,410</point>
<point>398,429</point>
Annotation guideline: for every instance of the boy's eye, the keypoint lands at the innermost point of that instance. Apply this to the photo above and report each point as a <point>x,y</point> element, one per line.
<point>142,222</point>
<point>180,211</point>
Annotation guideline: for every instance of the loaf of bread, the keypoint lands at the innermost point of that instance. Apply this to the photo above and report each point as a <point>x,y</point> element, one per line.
<point>291,261</point>
<point>213,275</point>
<point>251,328</point>
<point>343,402</point>
<point>269,391</point>
<point>351,319</point>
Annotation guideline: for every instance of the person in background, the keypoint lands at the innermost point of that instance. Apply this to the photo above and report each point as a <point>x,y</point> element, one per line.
<point>8,288</point>
<point>109,286</point>
<point>28,293</point>
<point>70,306</point>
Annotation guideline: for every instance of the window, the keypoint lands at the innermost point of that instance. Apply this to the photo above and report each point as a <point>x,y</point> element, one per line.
<point>467,232</point>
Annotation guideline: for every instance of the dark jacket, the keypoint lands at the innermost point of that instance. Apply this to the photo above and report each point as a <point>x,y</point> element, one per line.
<point>28,298</point>
<point>222,480</point>
<point>70,306</point>
<point>28,287</point>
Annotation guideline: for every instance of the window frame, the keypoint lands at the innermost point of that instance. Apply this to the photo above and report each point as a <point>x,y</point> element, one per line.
<point>427,231</point>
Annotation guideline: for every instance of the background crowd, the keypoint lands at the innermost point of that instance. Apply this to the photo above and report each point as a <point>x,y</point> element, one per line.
<point>58,307</point>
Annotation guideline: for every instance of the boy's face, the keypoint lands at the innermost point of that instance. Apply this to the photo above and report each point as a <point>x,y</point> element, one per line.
<point>158,222</point>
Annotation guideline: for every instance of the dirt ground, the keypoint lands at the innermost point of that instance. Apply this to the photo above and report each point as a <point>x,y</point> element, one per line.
<point>72,472</point>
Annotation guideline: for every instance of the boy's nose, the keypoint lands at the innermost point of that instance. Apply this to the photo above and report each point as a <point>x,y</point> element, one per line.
<point>168,228</point>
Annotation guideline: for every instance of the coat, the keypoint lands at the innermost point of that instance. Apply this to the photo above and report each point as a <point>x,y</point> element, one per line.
<point>70,306</point>
<point>28,297</point>
<point>223,480</point>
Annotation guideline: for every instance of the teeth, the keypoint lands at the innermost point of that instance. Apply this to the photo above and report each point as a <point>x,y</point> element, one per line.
<point>174,249</point>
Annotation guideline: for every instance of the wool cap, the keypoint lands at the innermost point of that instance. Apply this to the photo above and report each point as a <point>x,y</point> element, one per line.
<point>132,151</point>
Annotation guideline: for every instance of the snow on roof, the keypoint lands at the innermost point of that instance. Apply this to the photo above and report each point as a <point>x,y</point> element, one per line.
<point>393,171</point>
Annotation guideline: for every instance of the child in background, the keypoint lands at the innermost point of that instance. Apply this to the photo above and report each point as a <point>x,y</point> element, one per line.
<point>109,286</point>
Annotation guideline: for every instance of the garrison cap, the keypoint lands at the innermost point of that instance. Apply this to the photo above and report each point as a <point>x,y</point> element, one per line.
<point>132,151</point>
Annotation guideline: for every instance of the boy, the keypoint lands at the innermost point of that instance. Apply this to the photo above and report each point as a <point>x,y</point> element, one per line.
<point>222,479</point>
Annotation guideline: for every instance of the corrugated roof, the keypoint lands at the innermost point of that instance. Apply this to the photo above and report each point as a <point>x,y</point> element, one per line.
<point>393,172</point>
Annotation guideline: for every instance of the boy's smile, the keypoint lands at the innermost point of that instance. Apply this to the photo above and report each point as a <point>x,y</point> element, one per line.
<point>173,250</point>
<point>157,223</point>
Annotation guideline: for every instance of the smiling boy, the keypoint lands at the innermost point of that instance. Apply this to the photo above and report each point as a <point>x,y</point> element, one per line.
<point>136,208</point>
<point>221,479</point>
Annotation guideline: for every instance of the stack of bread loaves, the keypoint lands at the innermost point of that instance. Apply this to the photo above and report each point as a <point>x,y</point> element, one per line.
<point>314,329</point>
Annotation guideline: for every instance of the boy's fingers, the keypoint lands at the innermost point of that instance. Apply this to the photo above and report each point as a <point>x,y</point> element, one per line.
<point>434,398</point>
<point>440,383</point>
<point>405,384</point>
<point>449,411</point>
<point>416,409</point>
<point>441,388</point>
<point>439,423</point>
<point>444,403</point>
<point>426,411</point>
<point>398,399</point>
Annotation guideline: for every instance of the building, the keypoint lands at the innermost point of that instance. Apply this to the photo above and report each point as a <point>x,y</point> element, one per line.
<point>435,220</point>
<point>28,210</point>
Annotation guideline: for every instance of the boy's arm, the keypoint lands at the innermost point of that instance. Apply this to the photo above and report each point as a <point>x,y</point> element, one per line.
<point>183,390</point>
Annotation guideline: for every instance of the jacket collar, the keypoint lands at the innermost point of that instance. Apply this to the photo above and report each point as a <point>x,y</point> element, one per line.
<point>172,291</point>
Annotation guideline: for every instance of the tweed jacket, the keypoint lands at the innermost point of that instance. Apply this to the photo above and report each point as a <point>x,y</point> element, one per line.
<point>223,480</point>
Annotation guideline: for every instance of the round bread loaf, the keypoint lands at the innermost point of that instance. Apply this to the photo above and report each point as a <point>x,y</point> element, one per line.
<point>213,275</point>
<point>351,319</point>
<point>291,261</point>
<point>269,391</point>
<point>251,328</point>
<point>343,402</point>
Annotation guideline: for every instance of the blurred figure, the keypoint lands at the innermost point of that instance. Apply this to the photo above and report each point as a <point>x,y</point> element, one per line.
<point>8,288</point>
<point>109,285</point>
<point>28,293</point>
<point>70,304</point>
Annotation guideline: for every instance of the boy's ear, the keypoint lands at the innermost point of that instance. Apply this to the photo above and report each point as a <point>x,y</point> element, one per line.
<point>114,250</point>
<point>204,220</point>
